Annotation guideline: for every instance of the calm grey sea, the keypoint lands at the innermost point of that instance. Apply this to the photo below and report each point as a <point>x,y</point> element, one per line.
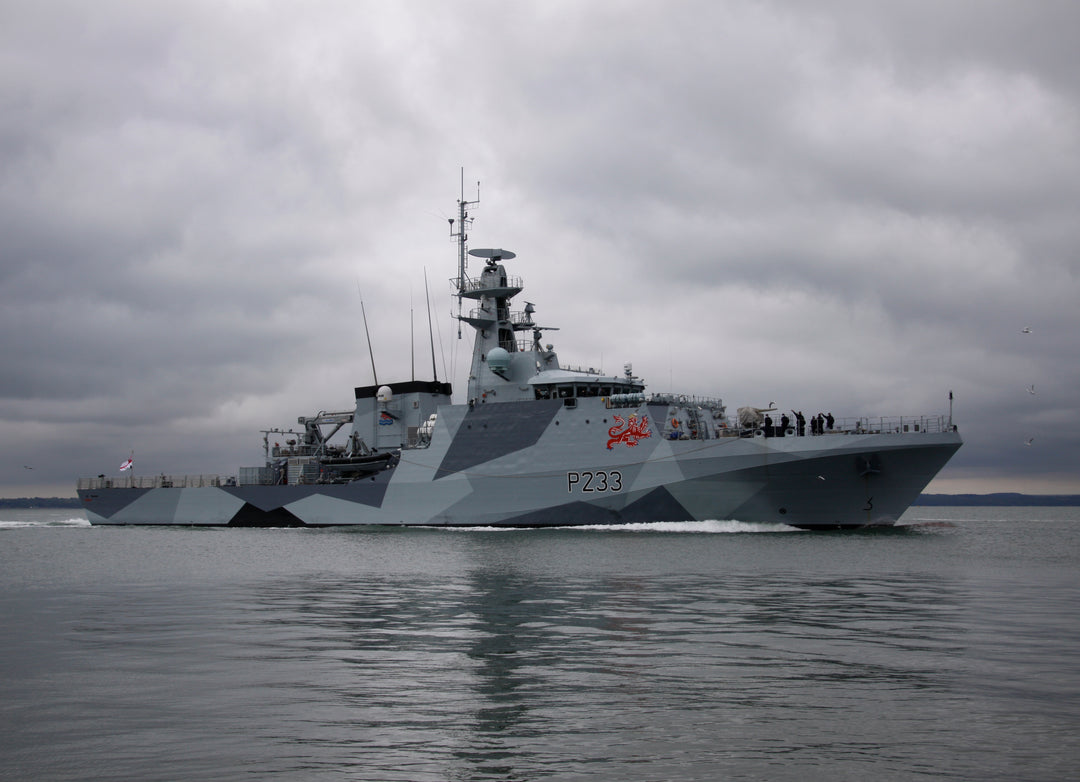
<point>948,648</point>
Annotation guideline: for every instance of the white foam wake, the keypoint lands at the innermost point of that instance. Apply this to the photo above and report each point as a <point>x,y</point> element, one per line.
<point>710,526</point>
<point>16,523</point>
<point>696,527</point>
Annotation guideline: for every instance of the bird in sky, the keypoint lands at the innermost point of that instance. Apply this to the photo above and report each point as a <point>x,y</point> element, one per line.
<point>1025,330</point>
<point>1031,389</point>
<point>27,467</point>
<point>1030,440</point>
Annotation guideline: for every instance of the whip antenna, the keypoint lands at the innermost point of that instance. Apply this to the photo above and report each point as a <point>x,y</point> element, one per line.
<point>431,333</point>
<point>367,333</point>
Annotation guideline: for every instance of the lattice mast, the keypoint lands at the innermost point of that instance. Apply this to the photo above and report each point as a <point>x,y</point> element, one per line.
<point>462,237</point>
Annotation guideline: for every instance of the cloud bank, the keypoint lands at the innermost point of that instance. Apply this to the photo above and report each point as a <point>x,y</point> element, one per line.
<point>846,208</point>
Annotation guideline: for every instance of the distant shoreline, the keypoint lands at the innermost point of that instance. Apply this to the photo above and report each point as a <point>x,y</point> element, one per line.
<point>40,502</point>
<point>1001,499</point>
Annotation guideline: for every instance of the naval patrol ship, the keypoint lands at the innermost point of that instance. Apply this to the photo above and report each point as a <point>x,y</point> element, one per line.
<point>540,444</point>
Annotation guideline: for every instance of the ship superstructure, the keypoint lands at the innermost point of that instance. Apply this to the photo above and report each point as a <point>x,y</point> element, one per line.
<point>536,443</point>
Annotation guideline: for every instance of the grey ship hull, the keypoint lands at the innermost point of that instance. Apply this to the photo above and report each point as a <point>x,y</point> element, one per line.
<point>541,463</point>
<point>541,444</point>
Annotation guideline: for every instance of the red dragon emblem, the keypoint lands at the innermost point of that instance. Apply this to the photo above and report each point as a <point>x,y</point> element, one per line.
<point>635,430</point>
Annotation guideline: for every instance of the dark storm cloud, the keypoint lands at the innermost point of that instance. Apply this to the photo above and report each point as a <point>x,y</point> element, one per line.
<point>848,206</point>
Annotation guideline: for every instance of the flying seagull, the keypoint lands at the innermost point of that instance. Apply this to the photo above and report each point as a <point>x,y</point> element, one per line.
<point>1031,389</point>
<point>27,467</point>
<point>1030,440</point>
<point>1025,330</point>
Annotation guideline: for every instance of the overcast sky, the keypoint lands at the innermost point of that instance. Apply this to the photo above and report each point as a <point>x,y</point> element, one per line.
<point>841,206</point>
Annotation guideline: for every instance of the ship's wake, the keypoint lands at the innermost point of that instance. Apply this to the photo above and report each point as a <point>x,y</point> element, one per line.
<point>710,526</point>
<point>72,522</point>
<point>693,527</point>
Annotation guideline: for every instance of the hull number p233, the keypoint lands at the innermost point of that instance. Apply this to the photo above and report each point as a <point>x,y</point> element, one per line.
<point>594,480</point>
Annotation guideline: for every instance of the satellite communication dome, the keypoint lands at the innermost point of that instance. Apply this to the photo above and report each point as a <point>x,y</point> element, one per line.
<point>498,359</point>
<point>384,394</point>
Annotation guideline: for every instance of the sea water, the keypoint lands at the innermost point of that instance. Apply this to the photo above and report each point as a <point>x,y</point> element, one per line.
<point>946,648</point>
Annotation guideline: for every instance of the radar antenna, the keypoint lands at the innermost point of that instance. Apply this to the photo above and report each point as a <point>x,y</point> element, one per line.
<point>462,236</point>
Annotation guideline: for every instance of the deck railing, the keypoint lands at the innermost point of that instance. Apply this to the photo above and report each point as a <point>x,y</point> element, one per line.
<point>915,424</point>
<point>933,424</point>
<point>472,285</point>
<point>901,424</point>
<point>154,482</point>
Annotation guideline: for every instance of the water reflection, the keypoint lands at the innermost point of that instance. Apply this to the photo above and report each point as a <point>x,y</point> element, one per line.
<point>504,608</point>
<point>475,656</point>
<point>500,671</point>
